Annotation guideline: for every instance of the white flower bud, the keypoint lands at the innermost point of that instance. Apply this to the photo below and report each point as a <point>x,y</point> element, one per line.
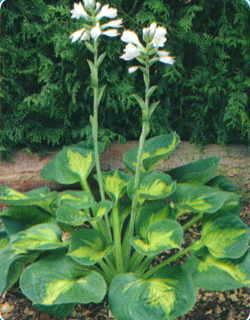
<point>106,12</point>
<point>131,51</point>
<point>111,33</point>
<point>96,32</point>
<point>79,12</point>
<point>131,37</point>
<point>76,35</point>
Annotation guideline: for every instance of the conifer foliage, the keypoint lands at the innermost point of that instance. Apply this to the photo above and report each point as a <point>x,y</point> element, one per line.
<point>46,95</point>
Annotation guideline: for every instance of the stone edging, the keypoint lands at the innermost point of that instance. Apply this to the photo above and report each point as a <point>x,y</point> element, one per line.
<point>23,173</point>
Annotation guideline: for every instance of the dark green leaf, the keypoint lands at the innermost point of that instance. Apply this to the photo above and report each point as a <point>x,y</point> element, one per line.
<point>57,280</point>
<point>169,294</point>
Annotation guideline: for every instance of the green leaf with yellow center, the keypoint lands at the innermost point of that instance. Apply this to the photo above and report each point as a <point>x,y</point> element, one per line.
<point>42,237</point>
<point>169,294</point>
<point>210,273</point>
<point>12,262</point>
<point>56,279</point>
<point>154,185</point>
<point>225,235</point>
<point>115,184</point>
<point>42,198</point>
<point>155,151</point>
<point>74,217</point>
<point>159,237</point>
<point>76,199</point>
<point>20,218</point>
<point>150,213</point>
<point>194,198</point>
<point>71,164</point>
<point>88,246</point>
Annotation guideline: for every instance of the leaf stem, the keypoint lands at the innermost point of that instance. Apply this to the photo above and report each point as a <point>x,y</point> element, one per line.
<point>94,123</point>
<point>195,219</point>
<point>144,133</point>
<point>117,239</point>
<point>196,245</point>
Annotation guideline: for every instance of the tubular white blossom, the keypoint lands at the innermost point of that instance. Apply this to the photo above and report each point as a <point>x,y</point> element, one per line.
<point>79,12</point>
<point>131,37</point>
<point>76,35</point>
<point>133,69</point>
<point>96,32</point>
<point>148,33</point>
<point>131,51</point>
<point>97,6</point>
<point>111,33</point>
<point>112,24</point>
<point>85,36</point>
<point>106,12</point>
<point>165,58</point>
<point>168,60</point>
<point>159,37</point>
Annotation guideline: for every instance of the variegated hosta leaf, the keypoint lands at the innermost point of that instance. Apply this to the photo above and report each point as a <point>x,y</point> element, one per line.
<point>16,219</point>
<point>194,198</point>
<point>115,184</point>
<point>233,204</point>
<point>42,198</point>
<point>150,213</point>
<point>71,216</point>
<point>154,185</point>
<point>12,262</point>
<point>197,172</point>
<point>214,274</point>
<point>169,294</point>
<point>155,151</point>
<point>4,239</point>
<point>160,236</point>
<point>56,279</point>
<point>221,183</point>
<point>71,165</point>
<point>76,199</point>
<point>42,237</point>
<point>225,235</point>
<point>88,246</point>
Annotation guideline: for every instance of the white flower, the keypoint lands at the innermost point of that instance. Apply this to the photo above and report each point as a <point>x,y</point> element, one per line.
<point>113,24</point>
<point>96,31</point>
<point>111,33</point>
<point>148,33</point>
<point>131,37</point>
<point>97,6</point>
<point>85,36</point>
<point>165,58</point>
<point>79,12</point>
<point>133,69</point>
<point>106,12</point>
<point>131,51</point>
<point>77,35</point>
<point>159,37</point>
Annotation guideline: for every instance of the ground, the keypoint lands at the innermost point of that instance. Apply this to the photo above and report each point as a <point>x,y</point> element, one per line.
<point>232,305</point>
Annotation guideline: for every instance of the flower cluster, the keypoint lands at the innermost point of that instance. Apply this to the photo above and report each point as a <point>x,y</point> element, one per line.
<point>154,37</point>
<point>92,12</point>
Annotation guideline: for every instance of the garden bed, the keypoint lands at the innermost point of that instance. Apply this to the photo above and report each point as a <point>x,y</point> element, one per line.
<point>23,174</point>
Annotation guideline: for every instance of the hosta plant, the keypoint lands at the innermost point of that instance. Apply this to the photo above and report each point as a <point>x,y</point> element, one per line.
<point>79,247</point>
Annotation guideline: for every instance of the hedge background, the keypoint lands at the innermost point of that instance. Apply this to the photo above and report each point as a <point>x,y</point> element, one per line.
<point>46,97</point>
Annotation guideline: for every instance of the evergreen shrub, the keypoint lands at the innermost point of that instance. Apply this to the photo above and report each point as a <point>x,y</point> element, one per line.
<point>46,97</point>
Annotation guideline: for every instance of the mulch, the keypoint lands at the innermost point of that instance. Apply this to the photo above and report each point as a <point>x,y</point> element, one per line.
<point>230,305</point>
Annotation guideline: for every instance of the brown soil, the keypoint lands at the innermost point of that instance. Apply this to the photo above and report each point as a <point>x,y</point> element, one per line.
<point>231,305</point>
